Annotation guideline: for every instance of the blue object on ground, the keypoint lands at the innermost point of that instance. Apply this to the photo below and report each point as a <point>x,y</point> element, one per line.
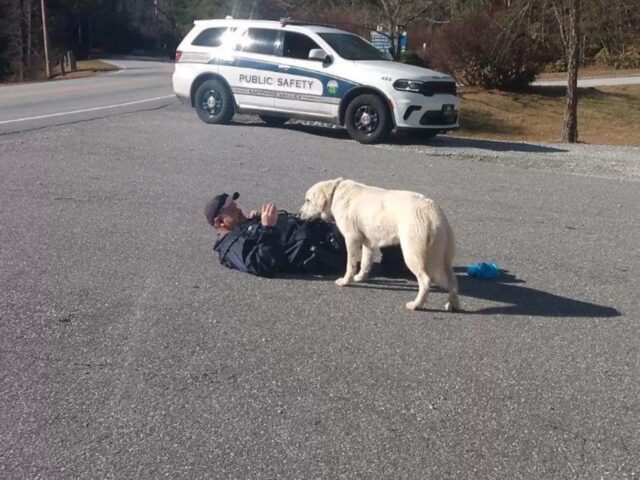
<point>483,270</point>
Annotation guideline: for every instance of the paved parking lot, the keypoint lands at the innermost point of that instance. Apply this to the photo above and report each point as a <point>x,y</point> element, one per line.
<point>128,352</point>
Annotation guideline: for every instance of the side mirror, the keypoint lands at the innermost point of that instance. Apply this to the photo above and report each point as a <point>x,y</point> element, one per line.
<point>319,55</point>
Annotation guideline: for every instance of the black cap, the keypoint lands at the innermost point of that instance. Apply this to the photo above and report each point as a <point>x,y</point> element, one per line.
<point>216,204</point>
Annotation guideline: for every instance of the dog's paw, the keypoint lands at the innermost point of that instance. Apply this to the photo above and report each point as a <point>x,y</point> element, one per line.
<point>341,282</point>
<point>449,307</point>
<point>412,306</point>
<point>360,277</point>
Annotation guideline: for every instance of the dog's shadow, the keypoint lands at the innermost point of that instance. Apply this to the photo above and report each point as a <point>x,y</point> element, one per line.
<point>507,290</point>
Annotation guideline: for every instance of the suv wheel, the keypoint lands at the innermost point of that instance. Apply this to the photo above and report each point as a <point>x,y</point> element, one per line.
<point>273,119</point>
<point>214,102</point>
<point>368,119</point>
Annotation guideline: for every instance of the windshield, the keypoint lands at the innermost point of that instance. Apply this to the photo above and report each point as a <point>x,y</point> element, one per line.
<point>352,47</point>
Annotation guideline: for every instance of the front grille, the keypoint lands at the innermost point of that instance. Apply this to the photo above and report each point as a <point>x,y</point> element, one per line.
<point>437,117</point>
<point>434,88</point>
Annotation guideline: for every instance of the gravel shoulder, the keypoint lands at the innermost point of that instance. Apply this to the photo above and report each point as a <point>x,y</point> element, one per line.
<point>603,161</point>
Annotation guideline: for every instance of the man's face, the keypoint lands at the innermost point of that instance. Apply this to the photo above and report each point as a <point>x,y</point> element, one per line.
<point>231,216</point>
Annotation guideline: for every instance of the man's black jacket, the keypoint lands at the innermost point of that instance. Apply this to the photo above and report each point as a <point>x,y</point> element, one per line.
<point>292,245</point>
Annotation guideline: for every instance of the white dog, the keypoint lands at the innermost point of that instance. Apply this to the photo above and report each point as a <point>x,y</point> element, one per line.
<point>371,217</point>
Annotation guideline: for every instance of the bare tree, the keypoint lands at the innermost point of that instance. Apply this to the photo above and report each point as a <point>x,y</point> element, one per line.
<point>567,14</point>
<point>19,40</point>
<point>394,16</point>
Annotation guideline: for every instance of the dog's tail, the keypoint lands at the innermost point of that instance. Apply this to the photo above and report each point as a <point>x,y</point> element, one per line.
<point>440,245</point>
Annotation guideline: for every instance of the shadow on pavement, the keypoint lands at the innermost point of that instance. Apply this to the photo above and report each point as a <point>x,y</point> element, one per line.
<point>442,141</point>
<point>521,300</point>
<point>492,145</point>
<point>507,290</point>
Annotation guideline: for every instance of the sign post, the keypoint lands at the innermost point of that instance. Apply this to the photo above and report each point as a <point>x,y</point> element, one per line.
<point>403,42</point>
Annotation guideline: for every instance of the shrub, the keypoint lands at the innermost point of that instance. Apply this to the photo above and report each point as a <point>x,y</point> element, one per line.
<point>478,51</point>
<point>603,58</point>
<point>557,66</point>
<point>630,58</point>
<point>412,57</point>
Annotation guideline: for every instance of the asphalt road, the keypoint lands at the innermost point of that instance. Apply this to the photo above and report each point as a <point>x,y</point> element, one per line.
<point>139,85</point>
<point>128,352</point>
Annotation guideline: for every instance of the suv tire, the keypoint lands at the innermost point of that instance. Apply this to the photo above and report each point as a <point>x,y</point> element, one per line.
<point>214,102</point>
<point>273,120</point>
<point>368,119</point>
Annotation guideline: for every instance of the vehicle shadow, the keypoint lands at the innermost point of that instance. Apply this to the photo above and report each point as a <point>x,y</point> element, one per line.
<point>480,144</point>
<point>507,290</point>
<point>442,141</point>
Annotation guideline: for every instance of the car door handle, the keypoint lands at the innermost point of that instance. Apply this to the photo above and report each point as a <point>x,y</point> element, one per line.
<point>284,67</point>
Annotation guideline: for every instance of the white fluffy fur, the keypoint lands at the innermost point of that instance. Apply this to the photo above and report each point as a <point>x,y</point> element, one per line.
<point>371,217</point>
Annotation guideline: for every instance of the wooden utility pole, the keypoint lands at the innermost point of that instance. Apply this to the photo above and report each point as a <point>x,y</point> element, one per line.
<point>46,39</point>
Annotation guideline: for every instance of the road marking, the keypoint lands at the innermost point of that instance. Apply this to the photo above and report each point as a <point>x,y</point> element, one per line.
<point>26,119</point>
<point>119,65</point>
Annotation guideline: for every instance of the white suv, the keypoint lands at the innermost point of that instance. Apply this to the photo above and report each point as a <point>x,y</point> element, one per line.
<point>289,69</point>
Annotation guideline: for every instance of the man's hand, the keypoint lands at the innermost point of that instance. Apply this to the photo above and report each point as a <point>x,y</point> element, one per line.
<point>254,214</point>
<point>269,215</point>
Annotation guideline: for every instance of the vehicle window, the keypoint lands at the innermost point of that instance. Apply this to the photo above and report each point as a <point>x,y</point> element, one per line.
<point>260,40</point>
<point>297,45</point>
<point>211,37</point>
<point>352,47</point>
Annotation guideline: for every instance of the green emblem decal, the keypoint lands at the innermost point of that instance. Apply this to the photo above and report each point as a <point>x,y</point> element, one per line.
<point>332,87</point>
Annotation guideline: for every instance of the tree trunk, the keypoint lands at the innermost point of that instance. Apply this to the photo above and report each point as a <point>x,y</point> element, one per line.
<point>570,132</point>
<point>21,42</point>
<point>80,39</point>
<point>28,14</point>
<point>89,37</point>
<point>392,37</point>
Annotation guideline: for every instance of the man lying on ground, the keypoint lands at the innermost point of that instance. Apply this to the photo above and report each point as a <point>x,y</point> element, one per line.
<point>271,241</point>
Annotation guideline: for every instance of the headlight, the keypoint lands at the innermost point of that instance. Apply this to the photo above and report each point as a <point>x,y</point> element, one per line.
<point>408,85</point>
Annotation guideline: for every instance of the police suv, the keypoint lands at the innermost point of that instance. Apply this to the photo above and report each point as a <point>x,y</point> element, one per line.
<point>289,69</point>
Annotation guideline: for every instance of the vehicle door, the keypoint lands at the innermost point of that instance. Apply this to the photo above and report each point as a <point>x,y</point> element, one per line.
<point>301,81</point>
<point>252,74</point>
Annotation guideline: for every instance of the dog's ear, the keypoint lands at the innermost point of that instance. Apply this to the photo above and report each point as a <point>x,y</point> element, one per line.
<point>330,188</point>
